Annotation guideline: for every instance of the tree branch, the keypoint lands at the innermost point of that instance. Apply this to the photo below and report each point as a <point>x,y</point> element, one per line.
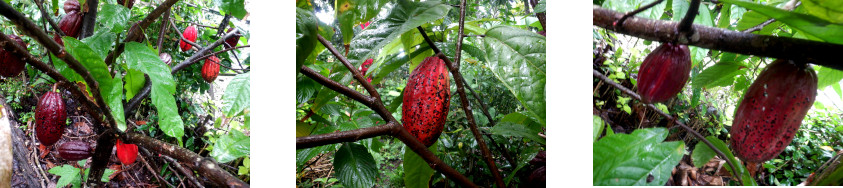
<point>47,17</point>
<point>674,120</point>
<point>820,53</point>
<point>136,32</point>
<point>346,136</point>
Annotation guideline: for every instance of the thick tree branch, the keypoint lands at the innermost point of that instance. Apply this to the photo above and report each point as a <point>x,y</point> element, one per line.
<point>336,86</point>
<point>635,96</point>
<point>390,128</point>
<point>820,53</point>
<point>205,166</point>
<point>89,19</point>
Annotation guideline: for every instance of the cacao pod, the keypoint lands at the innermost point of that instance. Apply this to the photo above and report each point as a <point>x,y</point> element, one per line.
<point>426,100</point>
<point>232,42</point>
<point>664,72</point>
<point>57,38</point>
<point>127,153</point>
<point>71,5</point>
<point>166,58</point>
<point>126,3</point>
<point>71,23</point>
<point>772,110</point>
<point>538,178</point>
<point>190,34</point>
<point>364,68</point>
<point>211,69</point>
<point>11,64</point>
<point>75,150</point>
<point>50,118</point>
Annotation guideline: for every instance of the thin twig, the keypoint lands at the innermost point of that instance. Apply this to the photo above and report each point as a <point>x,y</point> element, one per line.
<point>183,170</point>
<point>671,118</point>
<point>46,16</point>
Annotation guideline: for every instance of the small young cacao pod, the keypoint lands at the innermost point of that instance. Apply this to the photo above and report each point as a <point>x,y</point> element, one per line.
<point>71,23</point>
<point>772,110</point>
<point>190,34</point>
<point>232,42</point>
<point>664,72</point>
<point>11,64</point>
<point>166,58</point>
<point>71,5</point>
<point>211,69</point>
<point>426,100</point>
<point>127,153</point>
<point>75,150</point>
<point>50,118</point>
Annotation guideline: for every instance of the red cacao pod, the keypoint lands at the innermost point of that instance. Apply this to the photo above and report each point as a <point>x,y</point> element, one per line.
<point>75,150</point>
<point>772,110</point>
<point>426,100</point>
<point>232,42</point>
<point>127,153</point>
<point>11,64</point>
<point>50,118</point>
<point>71,23</point>
<point>664,73</point>
<point>364,68</point>
<point>166,58</point>
<point>211,69</point>
<point>71,5</point>
<point>364,25</point>
<point>190,34</point>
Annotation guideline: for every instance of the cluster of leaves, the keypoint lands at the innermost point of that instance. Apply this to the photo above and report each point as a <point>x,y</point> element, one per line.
<point>718,81</point>
<point>506,68</point>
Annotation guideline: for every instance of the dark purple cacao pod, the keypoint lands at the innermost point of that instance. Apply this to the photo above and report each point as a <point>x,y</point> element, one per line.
<point>211,69</point>
<point>426,100</point>
<point>664,73</point>
<point>57,38</point>
<point>50,118</point>
<point>126,3</point>
<point>11,64</point>
<point>772,110</point>
<point>232,42</point>
<point>166,58</point>
<point>71,23</point>
<point>75,150</point>
<point>71,5</point>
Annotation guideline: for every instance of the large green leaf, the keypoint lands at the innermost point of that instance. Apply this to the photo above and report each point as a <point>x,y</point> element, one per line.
<point>640,158</point>
<point>747,179</point>
<point>828,76</point>
<point>629,5</point>
<point>355,166</point>
<point>134,83</point>
<point>680,8</point>
<point>702,154</point>
<point>403,17</point>
<point>417,172</point>
<point>753,18</point>
<point>813,25</point>
<point>231,146</point>
<point>67,174</point>
<point>719,74</point>
<point>517,58</point>
<point>352,13</point>
<point>305,36</point>
<point>113,17</point>
<point>234,7</point>
<point>598,127</point>
<point>519,130</point>
<point>236,97</point>
<point>145,59</point>
<point>93,62</point>
<point>831,10</point>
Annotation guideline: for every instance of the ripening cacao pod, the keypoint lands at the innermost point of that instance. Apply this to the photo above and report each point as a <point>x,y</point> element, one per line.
<point>772,110</point>
<point>57,38</point>
<point>11,64</point>
<point>211,69</point>
<point>71,23</point>
<point>232,42</point>
<point>426,100</point>
<point>664,72</point>
<point>127,153</point>
<point>364,68</point>
<point>50,118</point>
<point>166,58</point>
<point>190,34</point>
<point>126,3</point>
<point>75,150</point>
<point>71,5</point>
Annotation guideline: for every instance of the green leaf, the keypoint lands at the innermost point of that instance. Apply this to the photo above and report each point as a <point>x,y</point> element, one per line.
<point>111,89</point>
<point>680,8</point>
<point>626,5</point>
<point>234,7</point>
<point>115,101</point>
<point>640,158</point>
<point>813,25</point>
<point>519,130</point>
<point>540,6</point>
<point>747,179</point>
<point>231,146</point>
<point>134,83</point>
<point>145,59</point>
<point>828,76</point>
<point>113,17</point>
<point>236,97</point>
<point>517,58</point>
<point>725,14</point>
<point>351,13</point>
<point>306,31</point>
<point>355,166</point>
<point>719,74</point>
<point>753,18</point>
<point>100,42</point>
<point>598,127</point>
<point>305,88</point>
<point>702,154</point>
<point>67,174</point>
<point>831,10</point>
<point>417,172</point>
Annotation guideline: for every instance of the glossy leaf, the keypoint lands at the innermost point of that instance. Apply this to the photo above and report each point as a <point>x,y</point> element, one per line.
<point>640,158</point>
<point>237,95</point>
<point>517,58</point>
<point>355,166</point>
<point>141,57</point>
<point>417,172</point>
<point>113,17</point>
<point>719,74</point>
<point>813,25</point>
<point>231,146</point>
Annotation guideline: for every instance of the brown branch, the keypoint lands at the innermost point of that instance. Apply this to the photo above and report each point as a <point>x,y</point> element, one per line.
<point>469,115</point>
<point>336,86</point>
<point>164,22</point>
<point>46,16</point>
<point>136,33</point>
<point>187,173</point>
<point>688,20</point>
<point>154,172</point>
<point>623,18</point>
<point>346,136</point>
<point>205,166</point>
<point>820,53</point>
<point>671,118</point>
<point>771,20</point>
<point>89,18</point>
